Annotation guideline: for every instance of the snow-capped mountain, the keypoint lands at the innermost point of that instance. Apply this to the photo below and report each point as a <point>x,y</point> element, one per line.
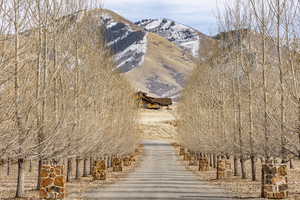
<point>155,56</point>
<point>187,38</point>
<point>128,45</point>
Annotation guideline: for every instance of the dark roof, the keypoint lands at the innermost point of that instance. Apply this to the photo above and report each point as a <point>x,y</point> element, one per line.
<point>159,101</point>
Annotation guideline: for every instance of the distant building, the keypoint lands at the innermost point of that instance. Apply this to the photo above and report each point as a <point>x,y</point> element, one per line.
<point>150,102</point>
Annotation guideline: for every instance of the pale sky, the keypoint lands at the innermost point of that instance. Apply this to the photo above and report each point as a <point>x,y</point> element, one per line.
<point>199,14</point>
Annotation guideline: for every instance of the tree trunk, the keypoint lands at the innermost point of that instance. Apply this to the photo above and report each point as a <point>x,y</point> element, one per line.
<point>38,186</point>
<point>252,155</point>
<point>110,161</point>
<point>30,166</point>
<point>69,169</point>
<point>8,167</point>
<point>77,174</point>
<point>2,166</point>
<point>239,102</point>
<point>243,167</point>
<point>85,167</point>
<point>253,167</point>
<point>91,165</point>
<point>235,166</point>
<point>20,183</point>
<point>282,100</point>
<point>214,161</point>
<point>291,164</point>
<point>235,159</point>
<point>218,173</point>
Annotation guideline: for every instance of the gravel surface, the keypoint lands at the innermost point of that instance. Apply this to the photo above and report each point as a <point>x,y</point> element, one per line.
<point>159,176</point>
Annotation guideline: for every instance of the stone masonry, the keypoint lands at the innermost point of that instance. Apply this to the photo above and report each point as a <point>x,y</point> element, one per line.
<point>127,161</point>
<point>181,151</point>
<point>52,182</point>
<point>274,181</point>
<point>221,169</point>
<point>187,156</point>
<point>99,171</point>
<point>193,161</point>
<point>117,165</point>
<point>203,164</point>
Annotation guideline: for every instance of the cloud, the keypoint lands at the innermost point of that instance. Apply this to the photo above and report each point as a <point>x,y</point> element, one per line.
<point>199,14</point>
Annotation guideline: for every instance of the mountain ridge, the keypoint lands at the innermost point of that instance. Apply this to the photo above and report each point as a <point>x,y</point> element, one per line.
<point>149,59</point>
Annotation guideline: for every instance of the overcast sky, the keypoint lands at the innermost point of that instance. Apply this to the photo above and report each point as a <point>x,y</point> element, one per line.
<point>199,14</point>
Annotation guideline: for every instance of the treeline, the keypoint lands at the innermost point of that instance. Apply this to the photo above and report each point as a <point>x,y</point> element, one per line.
<point>244,101</point>
<point>59,96</point>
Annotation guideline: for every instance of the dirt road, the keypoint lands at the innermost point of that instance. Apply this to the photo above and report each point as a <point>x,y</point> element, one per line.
<point>160,176</point>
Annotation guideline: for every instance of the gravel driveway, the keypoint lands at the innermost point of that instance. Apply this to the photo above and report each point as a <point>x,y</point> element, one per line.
<point>159,176</point>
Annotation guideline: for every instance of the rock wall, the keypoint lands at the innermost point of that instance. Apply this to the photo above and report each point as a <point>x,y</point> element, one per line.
<point>187,156</point>
<point>127,161</point>
<point>221,169</point>
<point>132,158</point>
<point>181,151</point>
<point>117,165</point>
<point>224,169</point>
<point>274,181</point>
<point>203,164</point>
<point>193,161</point>
<point>99,171</point>
<point>52,182</point>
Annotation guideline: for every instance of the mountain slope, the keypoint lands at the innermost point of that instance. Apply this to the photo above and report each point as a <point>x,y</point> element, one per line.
<point>128,45</point>
<point>187,38</point>
<point>151,60</point>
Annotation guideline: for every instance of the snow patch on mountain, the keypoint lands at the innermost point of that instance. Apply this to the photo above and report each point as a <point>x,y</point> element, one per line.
<point>128,45</point>
<point>184,36</point>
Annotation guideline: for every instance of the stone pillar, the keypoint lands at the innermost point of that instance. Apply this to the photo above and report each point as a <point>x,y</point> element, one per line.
<point>126,161</point>
<point>181,151</point>
<point>228,168</point>
<point>274,181</point>
<point>221,169</point>
<point>132,158</point>
<point>117,165</point>
<point>99,171</point>
<point>203,164</point>
<point>193,160</point>
<point>52,182</point>
<point>187,156</point>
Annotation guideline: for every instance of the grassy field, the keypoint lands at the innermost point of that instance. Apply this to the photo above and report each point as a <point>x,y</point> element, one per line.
<point>8,183</point>
<point>245,188</point>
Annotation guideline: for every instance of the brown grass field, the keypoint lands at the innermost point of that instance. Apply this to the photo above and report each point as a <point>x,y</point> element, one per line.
<point>8,183</point>
<point>247,189</point>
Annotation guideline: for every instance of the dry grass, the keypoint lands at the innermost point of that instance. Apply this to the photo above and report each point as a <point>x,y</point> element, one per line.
<point>8,183</point>
<point>247,189</point>
<point>163,60</point>
<point>157,124</point>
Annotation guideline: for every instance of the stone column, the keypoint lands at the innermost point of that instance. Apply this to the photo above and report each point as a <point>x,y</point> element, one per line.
<point>193,160</point>
<point>274,181</point>
<point>203,164</point>
<point>221,169</point>
<point>126,161</point>
<point>181,151</point>
<point>52,182</point>
<point>99,171</point>
<point>117,165</point>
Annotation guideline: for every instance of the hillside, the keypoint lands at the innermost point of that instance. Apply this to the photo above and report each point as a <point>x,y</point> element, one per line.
<point>185,37</point>
<point>153,61</point>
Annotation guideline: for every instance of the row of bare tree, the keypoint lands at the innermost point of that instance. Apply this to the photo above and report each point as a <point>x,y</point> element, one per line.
<point>244,101</point>
<point>60,97</point>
